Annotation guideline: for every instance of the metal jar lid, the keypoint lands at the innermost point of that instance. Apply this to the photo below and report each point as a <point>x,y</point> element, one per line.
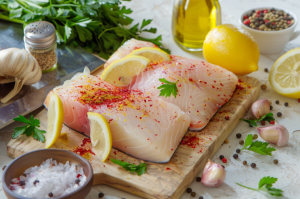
<point>40,34</point>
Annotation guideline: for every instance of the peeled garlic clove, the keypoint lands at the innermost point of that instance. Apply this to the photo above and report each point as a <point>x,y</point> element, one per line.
<point>213,174</point>
<point>260,108</point>
<point>276,134</point>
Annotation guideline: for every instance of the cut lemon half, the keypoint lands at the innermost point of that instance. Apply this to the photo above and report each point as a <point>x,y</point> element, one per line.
<point>100,135</point>
<point>121,72</point>
<point>55,120</point>
<point>154,54</point>
<point>285,74</point>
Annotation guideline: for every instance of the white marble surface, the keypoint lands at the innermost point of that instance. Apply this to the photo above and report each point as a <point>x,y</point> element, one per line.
<point>288,169</point>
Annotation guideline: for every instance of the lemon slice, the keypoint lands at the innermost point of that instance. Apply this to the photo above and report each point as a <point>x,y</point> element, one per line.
<point>55,120</point>
<point>121,72</point>
<point>100,135</point>
<point>154,54</point>
<point>285,74</point>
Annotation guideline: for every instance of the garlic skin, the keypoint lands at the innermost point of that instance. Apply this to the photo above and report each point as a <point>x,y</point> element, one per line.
<point>276,134</point>
<point>213,174</point>
<point>260,108</point>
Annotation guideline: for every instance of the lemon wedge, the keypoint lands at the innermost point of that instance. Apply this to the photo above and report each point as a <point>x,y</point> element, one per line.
<point>55,120</point>
<point>100,135</point>
<point>121,72</point>
<point>285,74</point>
<point>154,54</point>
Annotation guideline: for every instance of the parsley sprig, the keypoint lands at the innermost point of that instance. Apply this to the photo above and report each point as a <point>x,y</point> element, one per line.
<point>139,169</point>
<point>257,146</point>
<point>96,25</point>
<point>265,185</point>
<point>268,117</point>
<point>29,129</point>
<point>167,88</point>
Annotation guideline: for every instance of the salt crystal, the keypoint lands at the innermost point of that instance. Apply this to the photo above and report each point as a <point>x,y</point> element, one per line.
<point>57,178</point>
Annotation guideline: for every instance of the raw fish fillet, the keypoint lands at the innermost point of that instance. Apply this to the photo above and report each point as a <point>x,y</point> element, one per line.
<point>202,87</point>
<point>143,126</point>
<point>127,48</point>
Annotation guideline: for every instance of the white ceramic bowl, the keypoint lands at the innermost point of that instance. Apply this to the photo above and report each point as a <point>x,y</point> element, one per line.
<point>271,42</point>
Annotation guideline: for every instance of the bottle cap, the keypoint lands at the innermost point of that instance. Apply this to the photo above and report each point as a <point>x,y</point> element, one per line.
<point>40,34</point>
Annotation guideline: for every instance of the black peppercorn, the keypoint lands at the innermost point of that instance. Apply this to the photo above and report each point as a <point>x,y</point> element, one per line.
<point>193,194</point>
<point>100,195</point>
<point>77,181</point>
<point>36,181</point>
<point>238,151</point>
<point>244,162</point>
<point>241,142</point>
<point>235,156</point>
<point>198,179</point>
<point>238,135</point>
<point>279,114</point>
<point>271,107</point>
<point>253,165</point>
<point>189,190</point>
<point>223,166</point>
<point>286,104</point>
<point>50,194</point>
<point>277,101</point>
<point>201,197</point>
<point>22,183</point>
<point>266,70</point>
<point>221,157</point>
<point>275,161</point>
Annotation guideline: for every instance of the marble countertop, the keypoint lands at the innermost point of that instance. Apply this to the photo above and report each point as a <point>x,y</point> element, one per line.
<point>287,170</point>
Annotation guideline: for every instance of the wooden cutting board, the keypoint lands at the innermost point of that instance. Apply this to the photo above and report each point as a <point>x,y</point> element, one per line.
<point>167,180</point>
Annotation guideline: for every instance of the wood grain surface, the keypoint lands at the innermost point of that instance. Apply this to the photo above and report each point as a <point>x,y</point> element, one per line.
<point>168,180</point>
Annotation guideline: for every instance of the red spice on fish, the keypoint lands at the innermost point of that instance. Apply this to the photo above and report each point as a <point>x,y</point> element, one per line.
<point>168,168</point>
<point>190,141</point>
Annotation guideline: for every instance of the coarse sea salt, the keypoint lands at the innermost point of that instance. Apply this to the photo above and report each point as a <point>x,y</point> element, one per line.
<point>50,179</point>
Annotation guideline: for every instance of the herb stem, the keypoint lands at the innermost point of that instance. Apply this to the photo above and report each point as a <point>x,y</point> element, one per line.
<point>6,18</point>
<point>106,31</point>
<point>246,187</point>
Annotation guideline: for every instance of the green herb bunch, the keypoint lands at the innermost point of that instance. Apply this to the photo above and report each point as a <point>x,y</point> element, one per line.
<point>95,25</point>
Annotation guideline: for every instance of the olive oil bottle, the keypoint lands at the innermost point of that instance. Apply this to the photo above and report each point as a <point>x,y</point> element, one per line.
<point>192,20</point>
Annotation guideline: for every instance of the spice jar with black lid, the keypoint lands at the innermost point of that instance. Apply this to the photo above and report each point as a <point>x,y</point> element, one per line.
<point>40,42</point>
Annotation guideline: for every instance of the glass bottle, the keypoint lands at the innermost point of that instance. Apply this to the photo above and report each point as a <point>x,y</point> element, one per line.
<point>192,20</point>
<point>40,42</point>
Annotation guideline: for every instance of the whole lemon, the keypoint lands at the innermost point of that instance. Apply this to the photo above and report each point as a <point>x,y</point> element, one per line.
<point>231,48</point>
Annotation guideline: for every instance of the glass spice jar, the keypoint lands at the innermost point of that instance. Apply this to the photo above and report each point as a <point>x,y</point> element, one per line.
<point>40,42</point>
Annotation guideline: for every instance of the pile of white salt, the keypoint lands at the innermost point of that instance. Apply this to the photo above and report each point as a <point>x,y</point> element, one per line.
<point>50,179</point>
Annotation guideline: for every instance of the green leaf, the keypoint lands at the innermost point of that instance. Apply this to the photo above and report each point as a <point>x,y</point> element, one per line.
<point>257,146</point>
<point>145,23</point>
<point>18,131</point>
<point>268,181</point>
<point>140,169</point>
<point>16,13</point>
<point>28,16</point>
<point>168,88</point>
<point>251,122</point>
<point>38,135</point>
<point>68,31</point>
<point>28,132</point>
<point>34,122</point>
<point>268,117</point>
<point>265,185</point>
<point>84,34</point>
<point>248,140</point>
<point>22,119</point>
<point>152,30</point>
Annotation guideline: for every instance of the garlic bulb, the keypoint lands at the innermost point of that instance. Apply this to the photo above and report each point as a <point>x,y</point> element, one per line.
<point>276,134</point>
<point>260,108</point>
<point>213,174</point>
<point>20,66</point>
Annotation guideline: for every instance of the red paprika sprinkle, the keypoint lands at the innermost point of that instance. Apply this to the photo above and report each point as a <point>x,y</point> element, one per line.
<point>224,160</point>
<point>272,122</point>
<point>168,168</point>
<point>227,117</point>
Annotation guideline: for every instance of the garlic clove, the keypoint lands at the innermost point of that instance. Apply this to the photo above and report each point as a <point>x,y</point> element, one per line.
<point>260,108</point>
<point>213,174</point>
<point>276,134</point>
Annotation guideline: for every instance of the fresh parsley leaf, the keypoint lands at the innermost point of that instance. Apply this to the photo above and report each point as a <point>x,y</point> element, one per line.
<point>145,23</point>
<point>257,146</point>
<point>167,88</point>
<point>18,131</point>
<point>268,117</point>
<point>139,169</point>
<point>29,129</point>
<point>265,185</point>
<point>22,119</point>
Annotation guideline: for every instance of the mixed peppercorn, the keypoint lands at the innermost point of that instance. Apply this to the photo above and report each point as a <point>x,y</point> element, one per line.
<point>268,20</point>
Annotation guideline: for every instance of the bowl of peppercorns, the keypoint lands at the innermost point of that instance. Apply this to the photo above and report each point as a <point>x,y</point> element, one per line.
<point>271,28</point>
